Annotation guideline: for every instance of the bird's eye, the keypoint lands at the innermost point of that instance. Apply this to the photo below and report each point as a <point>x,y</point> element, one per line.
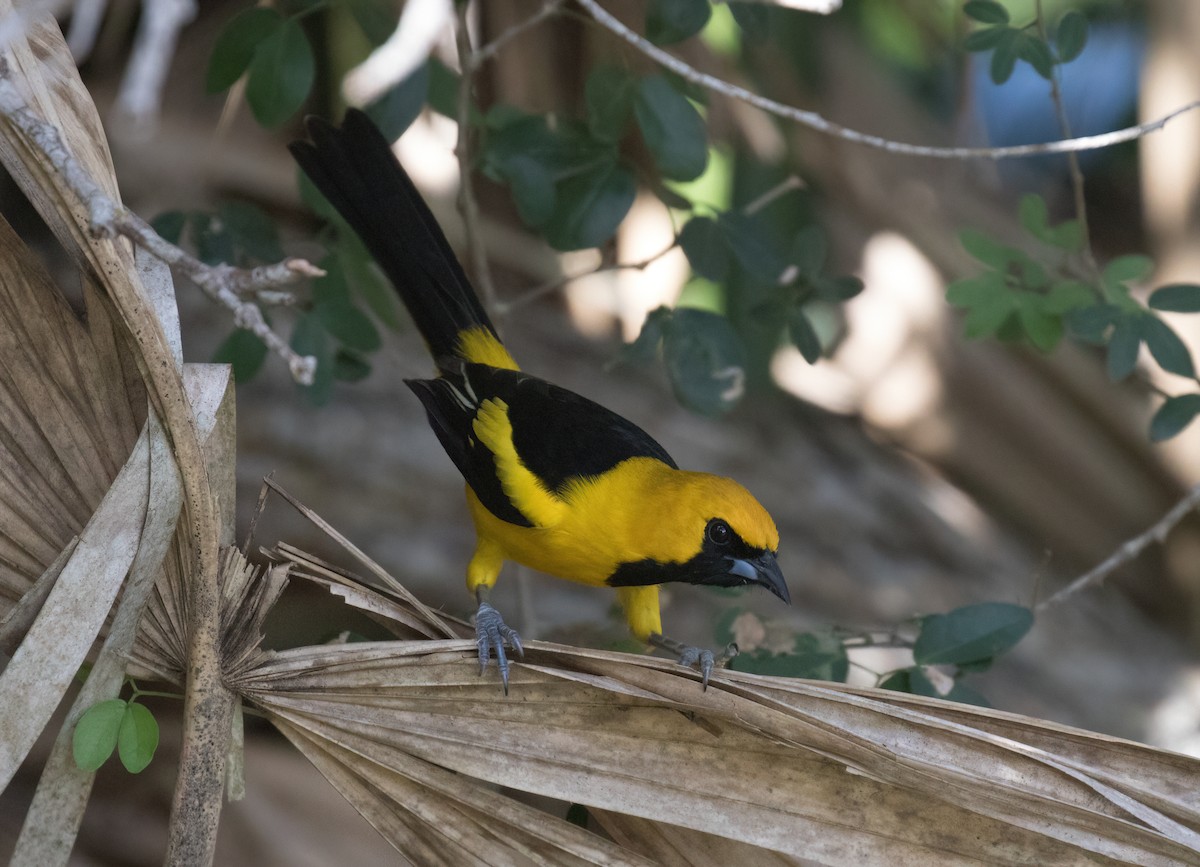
<point>718,532</point>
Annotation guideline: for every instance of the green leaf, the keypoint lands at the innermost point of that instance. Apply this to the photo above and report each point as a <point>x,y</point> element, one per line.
<point>590,206</point>
<point>1176,298</point>
<point>971,633</point>
<point>1067,236</point>
<point>443,90</point>
<point>609,97</point>
<point>987,250</point>
<point>810,250</point>
<point>815,658</point>
<point>669,21</point>
<point>395,111</point>
<point>966,695</point>
<point>1071,36</point>
<point>985,39</point>
<point>644,347</point>
<point>349,325</point>
<point>245,351</point>
<point>989,315</point>
<point>1068,295</point>
<point>350,367</point>
<point>753,18</point>
<point>1127,269</point>
<point>1091,323</point>
<point>138,737</point>
<point>1004,57</point>
<point>837,289</point>
<point>251,230</point>
<point>1164,344</point>
<point>95,735</point>
<point>1123,348</point>
<point>1043,329</point>
<point>1034,215</point>
<point>1173,416</point>
<point>376,20</point>
<point>214,243</point>
<point>1037,54</point>
<point>804,336</point>
<point>751,247</point>
<point>235,47</point>
<point>169,225</point>
<point>899,681</point>
<point>705,360</point>
<point>532,187</point>
<point>309,337</point>
<point>281,75</point>
<point>974,291</point>
<point>986,11</point>
<point>673,130</point>
<point>705,246</point>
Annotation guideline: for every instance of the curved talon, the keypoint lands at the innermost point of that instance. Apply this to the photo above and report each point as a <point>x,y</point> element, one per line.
<point>695,657</point>
<point>491,634</point>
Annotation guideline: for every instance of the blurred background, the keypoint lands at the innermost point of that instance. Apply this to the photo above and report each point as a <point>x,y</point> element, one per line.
<point>910,471</point>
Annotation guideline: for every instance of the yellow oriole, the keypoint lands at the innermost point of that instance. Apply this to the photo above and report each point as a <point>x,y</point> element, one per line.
<point>554,481</point>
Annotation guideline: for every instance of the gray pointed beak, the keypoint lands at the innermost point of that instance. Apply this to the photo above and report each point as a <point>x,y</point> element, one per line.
<point>763,571</point>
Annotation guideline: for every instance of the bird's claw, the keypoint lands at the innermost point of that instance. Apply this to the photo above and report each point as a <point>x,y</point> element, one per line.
<point>696,657</point>
<point>491,633</point>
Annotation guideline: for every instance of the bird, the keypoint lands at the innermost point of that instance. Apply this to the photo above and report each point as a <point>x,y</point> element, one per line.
<point>554,480</point>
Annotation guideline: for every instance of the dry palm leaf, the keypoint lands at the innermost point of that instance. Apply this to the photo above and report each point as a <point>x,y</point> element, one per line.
<point>755,770</point>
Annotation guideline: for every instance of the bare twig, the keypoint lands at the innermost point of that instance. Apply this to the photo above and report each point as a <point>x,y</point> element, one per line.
<point>1129,550</point>
<point>815,121</point>
<point>503,308</point>
<point>466,194</point>
<point>223,283</point>
<point>485,52</point>
<point>791,182</point>
<point>1076,174</point>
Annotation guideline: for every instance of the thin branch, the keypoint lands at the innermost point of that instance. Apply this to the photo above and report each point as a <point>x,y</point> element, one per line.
<point>791,182</point>
<point>503,308</point>
<point>1076,174</point>
<point>462,150</point>
<point>1128,551</point>
<point>817,122</point>
<point>222,283</point>
<point>486,52</point>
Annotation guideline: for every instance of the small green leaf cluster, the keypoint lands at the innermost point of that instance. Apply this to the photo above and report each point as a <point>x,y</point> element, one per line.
<point>967,639</point>
<point>127,727</point>
<point>1019,297</point>
<point>814,655</point>
<point>273,52</point>
<point>1009,44</point>
<point>568,178</point>
<point>703,355</point>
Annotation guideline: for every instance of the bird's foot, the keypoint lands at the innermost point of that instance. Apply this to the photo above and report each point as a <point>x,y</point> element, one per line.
<point>491,633</point>
<point>696,657</point>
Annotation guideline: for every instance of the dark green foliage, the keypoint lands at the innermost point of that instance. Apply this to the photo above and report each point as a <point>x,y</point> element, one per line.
<point>1173,416</point>
<point>280,74</point>
<point>309,337</point>
<point>704,357</point>
<point>669,21</point>
<point>672,129</point>
<point>609,95</point>
<point>1071,35</point>
<point>244,351</point>
<point>236,45</point>
<point>986,11</point>
<point>971,634</point>
<point>816,656</point>
<point>395,111</point>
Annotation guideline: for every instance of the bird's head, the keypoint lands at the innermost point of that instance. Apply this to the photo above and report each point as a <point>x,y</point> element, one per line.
<point>716,533</point>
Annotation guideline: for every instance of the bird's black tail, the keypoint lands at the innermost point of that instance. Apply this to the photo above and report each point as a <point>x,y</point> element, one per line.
<point>355,169</point>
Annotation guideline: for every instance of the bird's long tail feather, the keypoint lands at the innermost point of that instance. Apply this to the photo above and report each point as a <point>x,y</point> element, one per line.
<point>355,169</point>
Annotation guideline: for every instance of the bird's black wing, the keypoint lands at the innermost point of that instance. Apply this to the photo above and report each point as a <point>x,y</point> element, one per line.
<point>559,435</point>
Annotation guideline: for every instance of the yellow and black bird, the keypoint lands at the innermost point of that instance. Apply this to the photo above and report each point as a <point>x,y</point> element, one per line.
<point>554,481</point>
